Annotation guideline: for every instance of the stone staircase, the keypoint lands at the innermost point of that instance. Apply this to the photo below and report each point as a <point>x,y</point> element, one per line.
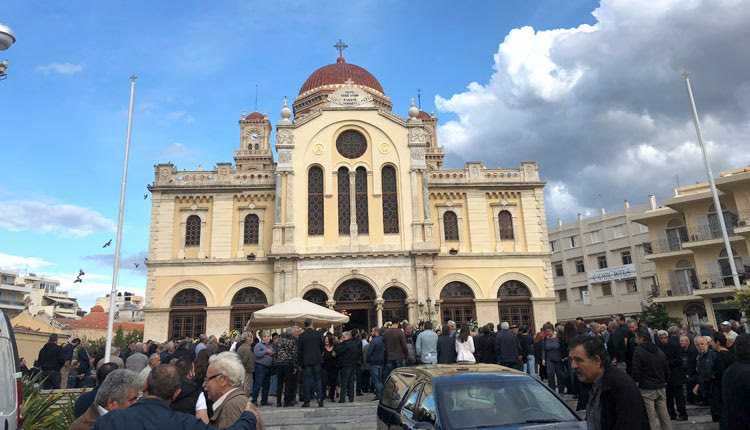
<point>361,414</point>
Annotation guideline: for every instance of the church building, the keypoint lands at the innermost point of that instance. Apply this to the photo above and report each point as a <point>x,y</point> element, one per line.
<point>356,213</point>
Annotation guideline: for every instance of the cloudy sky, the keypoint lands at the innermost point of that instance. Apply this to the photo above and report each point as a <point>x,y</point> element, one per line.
<point>593,91</point>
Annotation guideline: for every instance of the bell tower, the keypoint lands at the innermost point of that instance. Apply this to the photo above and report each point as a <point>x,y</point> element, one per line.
<point>255,143</point>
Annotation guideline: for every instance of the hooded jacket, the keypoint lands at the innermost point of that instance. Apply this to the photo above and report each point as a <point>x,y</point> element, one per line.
<point>650,368</point>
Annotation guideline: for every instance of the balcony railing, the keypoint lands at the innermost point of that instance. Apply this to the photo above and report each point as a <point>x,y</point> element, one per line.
<point>699,283</point>
<point>11,303</point>
<point>663,245</point>
<point>744,218</point>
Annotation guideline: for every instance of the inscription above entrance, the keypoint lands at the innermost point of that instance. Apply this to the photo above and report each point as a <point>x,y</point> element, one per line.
<point>350,96</point>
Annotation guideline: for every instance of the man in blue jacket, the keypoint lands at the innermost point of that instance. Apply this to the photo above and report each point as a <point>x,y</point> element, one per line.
<point>376,359</point>
<point>152,412</point>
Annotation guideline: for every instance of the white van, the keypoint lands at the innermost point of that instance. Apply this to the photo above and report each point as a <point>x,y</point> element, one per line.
<point>10,377</point>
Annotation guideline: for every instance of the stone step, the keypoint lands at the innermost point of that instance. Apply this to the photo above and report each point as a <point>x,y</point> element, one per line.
<point>333,416</point>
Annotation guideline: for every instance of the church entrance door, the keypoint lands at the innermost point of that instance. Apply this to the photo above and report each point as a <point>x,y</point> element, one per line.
<point>356,298</point>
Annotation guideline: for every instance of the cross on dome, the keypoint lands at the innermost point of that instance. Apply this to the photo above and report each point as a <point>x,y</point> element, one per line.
<point>340,46</point>
<point>349,82</point>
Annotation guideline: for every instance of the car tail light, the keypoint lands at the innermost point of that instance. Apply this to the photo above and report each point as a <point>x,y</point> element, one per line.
<point>20,400</point>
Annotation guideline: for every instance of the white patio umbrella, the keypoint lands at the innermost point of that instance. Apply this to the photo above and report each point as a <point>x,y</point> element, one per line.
<point>294,312</point>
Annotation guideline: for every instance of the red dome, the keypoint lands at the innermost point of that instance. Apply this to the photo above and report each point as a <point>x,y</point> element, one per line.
<point>337,74</point>
<point>423,115</point>
<point>97,309</point>
<point>255,115</point>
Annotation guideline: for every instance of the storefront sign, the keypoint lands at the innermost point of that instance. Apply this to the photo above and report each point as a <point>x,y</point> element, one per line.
<point>616,273</point>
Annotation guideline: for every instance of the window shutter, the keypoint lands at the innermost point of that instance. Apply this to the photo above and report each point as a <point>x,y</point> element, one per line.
<point>662,243</point>
<point>704,230</point>
<point>714,273</point>
<point>673,284</point>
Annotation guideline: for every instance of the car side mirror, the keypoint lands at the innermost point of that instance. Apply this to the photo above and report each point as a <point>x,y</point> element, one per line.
<point>424,425</point>
<point>581,414</point>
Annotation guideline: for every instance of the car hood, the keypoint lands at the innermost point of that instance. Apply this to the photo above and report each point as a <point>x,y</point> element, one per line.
<point>568,425</point>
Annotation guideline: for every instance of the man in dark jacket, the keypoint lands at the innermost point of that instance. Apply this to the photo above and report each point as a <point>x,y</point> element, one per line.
<point>446,347</point>
<point>376,359</point>
<point>68,350</point>
<point>186,401</point>
<point>152,411</point>
<point>614,402</point>
<point>651,373</point>
<point>700,383</point>
<point>676,381</point>
<point>735,387</point>
<point>395,346</point>
<point>310,358</point>
<point>508,348</point>
<point>346,351</point>
<point>51,360</point>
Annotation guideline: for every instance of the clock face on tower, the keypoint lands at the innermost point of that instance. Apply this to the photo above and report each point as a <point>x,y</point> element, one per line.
<point>254,137</point>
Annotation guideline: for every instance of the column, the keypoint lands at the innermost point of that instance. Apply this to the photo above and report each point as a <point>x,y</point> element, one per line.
<point>426,208</point>
<point>289,224</point>
<point>261,252</point>
<point>288,284</point>
<point>379,310</point>
<point>277,216</point>
<point>416,226</point>
<point>430,283</point>
<point>241,238</point>
<point>202,250</point>
<point>217,319</point>
<point>183,226</point>
<point>277,286</point>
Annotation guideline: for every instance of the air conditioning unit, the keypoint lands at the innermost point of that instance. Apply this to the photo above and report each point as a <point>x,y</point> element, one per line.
<point>742,223</point>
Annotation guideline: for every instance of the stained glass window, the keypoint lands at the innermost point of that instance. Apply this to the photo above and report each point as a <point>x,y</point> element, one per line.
<point>189,297</point>
<point>360,188</point>
<point>390,201</point>
<point>252,224</point>
<point>394,293</point>
<point>193,231</point>
<point>344,203</point>
<point>450,225</point>
<point>513,289</point>
<point>316,296</point>
<point>506,225</point>
<point>250,296</point>
<point>354,291</point>
<point>315,201</point>
<point>456,290</point>
<point>351,144</point>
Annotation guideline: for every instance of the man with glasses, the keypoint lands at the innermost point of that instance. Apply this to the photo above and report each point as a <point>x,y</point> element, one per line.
<point>223,384</point>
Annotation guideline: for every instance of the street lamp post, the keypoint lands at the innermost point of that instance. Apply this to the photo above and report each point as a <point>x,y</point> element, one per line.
<point>427,310</point>
<point>7,38</point>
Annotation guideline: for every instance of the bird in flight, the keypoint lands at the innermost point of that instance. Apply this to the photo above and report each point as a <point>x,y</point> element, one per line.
<point>80,272</point>
<point>78,278</point>
<point>107,244</point>
<point>145,196</point>
<point>136,265</point>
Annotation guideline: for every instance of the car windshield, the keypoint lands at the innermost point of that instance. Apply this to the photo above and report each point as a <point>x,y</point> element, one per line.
<point>501,403</point>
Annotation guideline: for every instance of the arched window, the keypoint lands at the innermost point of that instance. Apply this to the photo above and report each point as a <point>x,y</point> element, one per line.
<point>187,317</point>
<point>252,224</point>
<point>674,223</point>
<point>344,202</point>
<point>244,303</point>
<point>315,201</point>
<point>450,223</point>
<point>394,305</point>
<point>515,304</point>
<point>356,298</point>
<point>193,231</point>
<point>506,225</point>
<point>457,303</point>
<point>316,296</point>
<point>390,200</point>
<point>360,188</point>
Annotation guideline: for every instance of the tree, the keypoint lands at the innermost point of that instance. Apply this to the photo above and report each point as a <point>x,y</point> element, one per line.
<point>655,314</point>
<point>119,340</point>
<point>134,336</point>
<point>742,301</point>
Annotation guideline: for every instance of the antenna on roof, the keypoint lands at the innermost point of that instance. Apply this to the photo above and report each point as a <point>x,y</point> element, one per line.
<point>256,97</point>
<point>419,97</point>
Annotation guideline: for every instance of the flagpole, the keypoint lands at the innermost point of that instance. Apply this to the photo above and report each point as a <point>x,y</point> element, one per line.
<point>113,293</point>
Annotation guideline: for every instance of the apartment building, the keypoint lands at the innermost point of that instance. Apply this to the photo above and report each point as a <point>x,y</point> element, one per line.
<point>687,247</point>
<point>11,293</point>
<point>599,266</point>
<point>45,297</point>
<point>128,306</point>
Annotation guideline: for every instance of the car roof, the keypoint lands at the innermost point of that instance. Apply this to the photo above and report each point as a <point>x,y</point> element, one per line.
<point>437,371</point>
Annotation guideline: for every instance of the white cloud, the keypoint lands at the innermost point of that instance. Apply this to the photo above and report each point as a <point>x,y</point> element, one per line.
<point>21,263</point>
<point>180,115</point>
<point>61,68</point>
<point>93,286</point>
<point>603,108</point>
<point>175,150</point>
<point>16,215</point>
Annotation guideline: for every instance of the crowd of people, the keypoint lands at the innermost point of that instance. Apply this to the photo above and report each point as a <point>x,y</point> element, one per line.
<point>612,369</point>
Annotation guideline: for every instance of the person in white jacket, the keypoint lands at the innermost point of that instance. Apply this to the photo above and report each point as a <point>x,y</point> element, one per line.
<point>465,346</point>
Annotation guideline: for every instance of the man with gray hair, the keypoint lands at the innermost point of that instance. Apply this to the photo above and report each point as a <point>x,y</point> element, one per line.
<point>286,360</point>
<point>113,358</point>
<point>508,348</point>
<point>153,361</point>
<point>346,352</point>
<point>245,353</point>
<point>137,361</point>
<point>202,344</point>
<point>263,354</point>
<point>223,383</point>
<point>118,391</point>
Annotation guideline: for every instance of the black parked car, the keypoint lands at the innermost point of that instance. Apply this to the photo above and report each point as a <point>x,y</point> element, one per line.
<point>473,396</point>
